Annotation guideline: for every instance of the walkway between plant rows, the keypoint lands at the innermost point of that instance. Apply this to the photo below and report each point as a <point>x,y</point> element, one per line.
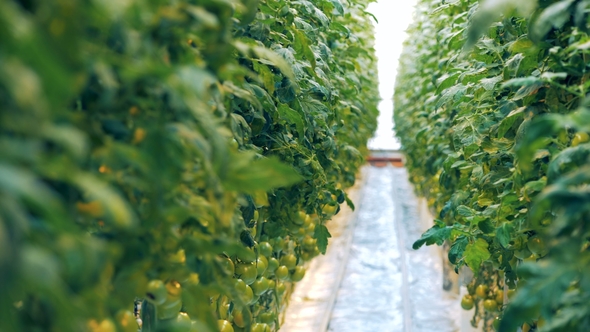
<point>371,279</point>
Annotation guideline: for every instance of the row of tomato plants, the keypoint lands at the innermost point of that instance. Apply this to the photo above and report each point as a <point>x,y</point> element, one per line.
<point>492,110</point>
<point>182,156</point>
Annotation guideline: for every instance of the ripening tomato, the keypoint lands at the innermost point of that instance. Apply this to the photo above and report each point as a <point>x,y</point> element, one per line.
<point>580,138</point>
<point>481,291</point>
<point>225,326</point>
<point>490,305</point>
<point>467,302</point>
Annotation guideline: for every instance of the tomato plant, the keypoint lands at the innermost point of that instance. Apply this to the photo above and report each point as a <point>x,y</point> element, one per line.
<point>156,152</point>
<point>492,110</point>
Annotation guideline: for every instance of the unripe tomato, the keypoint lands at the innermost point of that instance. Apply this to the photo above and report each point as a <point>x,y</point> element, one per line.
<point>247,272</point>
<point>169,309</point>
<point>490,305</point>
<point>261,265</point>
<point>481,291</point>
<point>248,295</point>
<point>126,321</point>
<point>156,292</point>
<point>282,273</point>
<point>105,325</point>
<point>467,302</point>
<point>240,285</point>
<point>260,286</point>
<point>183,323</point>
<point>329,210</point>
<point>580,138</point>
<point>499,297</point>
<point>298,273</point>
<point>173,289</point>
<point>223,311</point>
<point>537,246</point>
<point>309,243</point>
<point>267,317</point>
<point>290,261</point>
<point>523,254</point>
<point>260,327</point>
<point>227,265</point>
<point>265,249</point>
<point>281,288</point>
<point>271,284</point>
<point>496,323</point>
<point>273,264</point>
<point>225,326</point>
<point>239,318</point>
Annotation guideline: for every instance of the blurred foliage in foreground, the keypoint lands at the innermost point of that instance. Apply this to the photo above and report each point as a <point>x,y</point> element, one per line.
<point>179,152</point>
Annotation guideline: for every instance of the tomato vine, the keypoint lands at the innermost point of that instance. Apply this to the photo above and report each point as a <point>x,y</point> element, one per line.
<point>495,128</point>
<point>175,154</point>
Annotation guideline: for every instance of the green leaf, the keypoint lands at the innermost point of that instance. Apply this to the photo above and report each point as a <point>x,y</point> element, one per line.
<point>486,226</point>
<point>491,11</point>
<point>503,234</point>
<point>465,211</point>
<point>554,16</point>
<point>259,175</point>
<point>437,234</point>
<point>321,234</point>
<point>458,249</point>
<point>292,117</point>
<point>117,209</point>
<point>476,253</point>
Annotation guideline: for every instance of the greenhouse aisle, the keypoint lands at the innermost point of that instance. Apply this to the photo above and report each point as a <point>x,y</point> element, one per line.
<point>385,285</point>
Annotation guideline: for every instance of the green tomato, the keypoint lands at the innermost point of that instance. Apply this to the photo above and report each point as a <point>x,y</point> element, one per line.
<point>260,327</point>
<point>282,273</point>
<point>265,249</point>
<point>298,274</point>
<point>523,254</point>
<point>467,302</point>
<point>537,246</point>
<point>273,264</point>
<point>169,309</point>
<point>267,317</point>
<point>290,261</point>
<point>182,323</point>
<point>490,305</point>
<point>248,295</point>
<point>156,292</point>
<point>261,265</point>
<point>496,324</point>
<point>224,326</point>
<point>126,321</point>
<point>227,265</point>
<point>247,272</point>
<point>260,286</point>
<point>240,285</point>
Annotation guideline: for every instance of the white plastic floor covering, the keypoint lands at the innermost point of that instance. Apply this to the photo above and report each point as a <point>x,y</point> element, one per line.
<point>371,279</point>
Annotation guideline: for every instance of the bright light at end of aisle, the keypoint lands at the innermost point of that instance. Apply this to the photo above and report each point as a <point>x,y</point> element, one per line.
<point>394,18</point>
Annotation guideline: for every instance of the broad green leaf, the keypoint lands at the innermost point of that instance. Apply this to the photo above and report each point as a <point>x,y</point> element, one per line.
<point>293,117</point>
<point>476,253</point>
<point>321,234</point>
<point>437,234</point>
